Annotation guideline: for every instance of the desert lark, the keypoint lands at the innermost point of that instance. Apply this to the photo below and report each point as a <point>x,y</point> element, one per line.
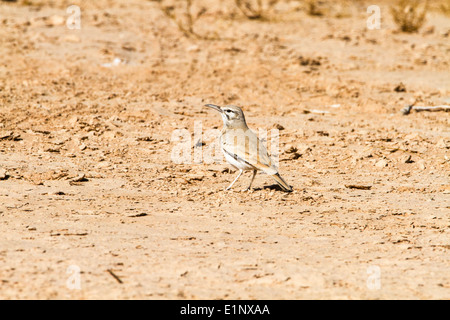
<point>242,148</point>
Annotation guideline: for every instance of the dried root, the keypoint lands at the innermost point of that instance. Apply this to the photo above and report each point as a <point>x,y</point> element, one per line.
<point>255,9</point>
<point>186,19</point>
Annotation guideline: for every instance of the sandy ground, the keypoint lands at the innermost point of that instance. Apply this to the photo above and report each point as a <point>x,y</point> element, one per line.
<point>88,183</point>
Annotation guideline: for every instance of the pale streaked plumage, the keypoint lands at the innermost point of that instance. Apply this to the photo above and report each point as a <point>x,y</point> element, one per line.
<point>242,148</point>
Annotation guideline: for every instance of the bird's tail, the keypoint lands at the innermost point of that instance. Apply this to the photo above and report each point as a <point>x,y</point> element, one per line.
<point>283,184</point>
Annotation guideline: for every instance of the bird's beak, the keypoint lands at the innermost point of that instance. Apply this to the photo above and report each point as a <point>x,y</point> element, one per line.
<point>214,107</point>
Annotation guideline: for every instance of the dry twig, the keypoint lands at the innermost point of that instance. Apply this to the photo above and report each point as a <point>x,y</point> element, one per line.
<point>408,16</point>
<point>185,21</point>
<point>407,110</point>
<point>255,9</point>
<point>114,276</point>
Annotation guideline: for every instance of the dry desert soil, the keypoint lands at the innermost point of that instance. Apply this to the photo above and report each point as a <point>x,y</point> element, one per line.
<point>94,206</point>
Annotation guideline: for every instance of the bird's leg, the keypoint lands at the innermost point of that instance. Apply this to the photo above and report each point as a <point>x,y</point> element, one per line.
<point>240,172</point>
<point>251,181</point>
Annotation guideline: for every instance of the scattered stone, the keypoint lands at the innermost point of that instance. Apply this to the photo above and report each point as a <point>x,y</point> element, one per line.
<point>35,179</point>
<point>116,62</point>
<point>309,61</point>
<point>128,47</point>
<point>323,133</point>
<point>144,139</point>
<point>41,131</point>
<point>38,178</point>
<point>55,21</point>
<point>356,186</point>
<point>73,121</point>
<point>103,165</point>
<point>442,144</point>
<point>420,61</point>
<point>10,135</point>
<point>400,87</point>
<point>53,150</point>
<point>278,126</point>
<point>138,215</point>
<point>382,163</point>
<point>80,178</point>
<point>311,182</point>
<point>195,177</point>
<point>57,193</point>
<point>367,153</point>
<point>412,136</point>
<point>446,189</point>
<point>422,165</point>
<point>315,111</point>
<point>3,174</point>
<point>302,149</point>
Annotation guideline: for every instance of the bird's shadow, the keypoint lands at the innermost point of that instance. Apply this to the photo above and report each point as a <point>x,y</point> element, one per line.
<point>271,187</point>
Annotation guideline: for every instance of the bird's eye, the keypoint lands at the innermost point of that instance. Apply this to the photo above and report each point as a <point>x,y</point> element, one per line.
<point>228,110</point>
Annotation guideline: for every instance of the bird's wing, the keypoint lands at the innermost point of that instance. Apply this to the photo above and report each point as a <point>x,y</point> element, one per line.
<point>245,146</point>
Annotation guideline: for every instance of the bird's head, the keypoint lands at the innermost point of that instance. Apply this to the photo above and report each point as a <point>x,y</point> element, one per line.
<point>232,116</point>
